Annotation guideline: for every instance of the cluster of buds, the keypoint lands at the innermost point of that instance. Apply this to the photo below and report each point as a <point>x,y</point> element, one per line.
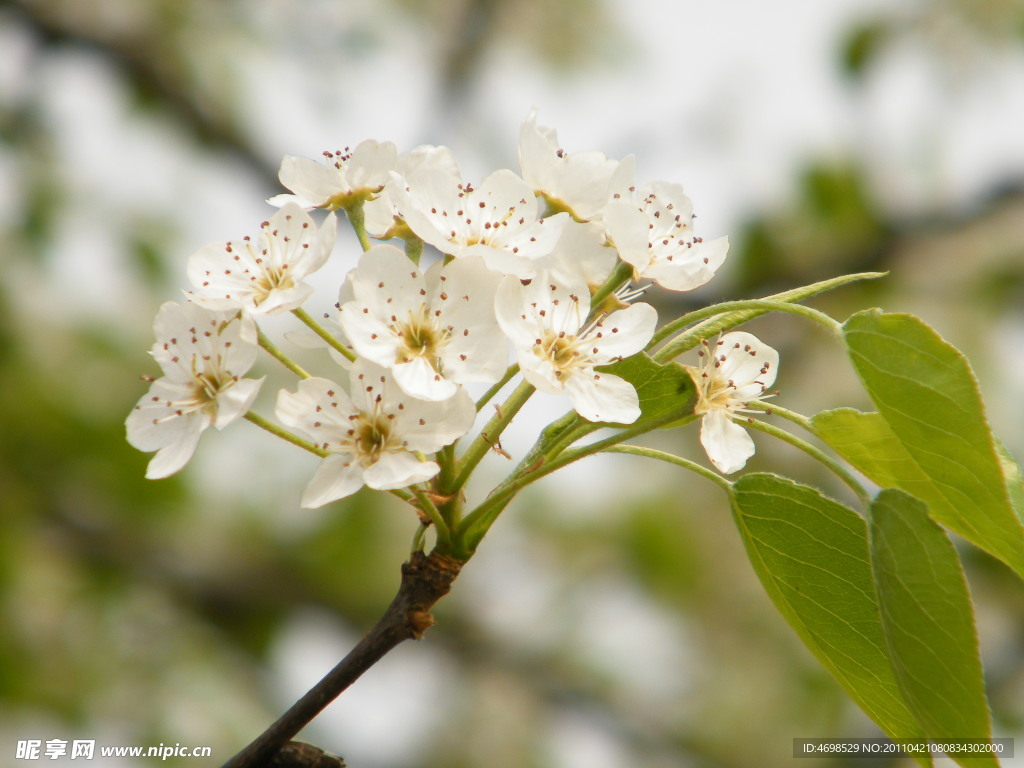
<point>535,274</point>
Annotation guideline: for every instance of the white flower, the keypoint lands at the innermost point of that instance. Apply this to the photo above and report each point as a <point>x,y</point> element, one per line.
<point>544,321</point>
<point>381,214</point>
<point>655,234</point>
<point>734,371</point>
<point>348,177</point>
<point>497,221</point>
<point>202,355</point>
<point>373,434</point>
<point>578,183</point>
<point>581,254</point>
<point>263,275</point>
<point>433,330</point>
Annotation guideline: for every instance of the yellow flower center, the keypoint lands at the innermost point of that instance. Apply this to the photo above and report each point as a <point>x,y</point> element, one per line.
<point>422,338</point>
<point>560,349</point>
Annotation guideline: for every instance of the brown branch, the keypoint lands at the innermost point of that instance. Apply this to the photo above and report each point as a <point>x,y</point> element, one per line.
<point>425,580</point>
<point>296,754</point>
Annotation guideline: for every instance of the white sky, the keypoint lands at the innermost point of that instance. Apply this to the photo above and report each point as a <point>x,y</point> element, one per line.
<point>726,98</point>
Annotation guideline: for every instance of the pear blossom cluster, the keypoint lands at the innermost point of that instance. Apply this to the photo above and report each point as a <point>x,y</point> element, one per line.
<point>537,274</point>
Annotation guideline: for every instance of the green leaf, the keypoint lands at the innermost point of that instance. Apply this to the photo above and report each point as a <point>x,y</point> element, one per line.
<point>811,555</point>
<point>928,622</point>
<point>928,395</point>
<point>666,391</point>
<point>1014,479</point>
<point>867,442</point>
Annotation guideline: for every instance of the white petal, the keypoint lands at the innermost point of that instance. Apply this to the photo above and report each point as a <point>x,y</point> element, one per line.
<point>540,372</point>
<point>310,180</point>
<point>532,240</point>
<point>623,181</point>
<point>689,268</point>
<point>582,182</point>
<point>371,337</point>
<point>373,388</point>
<point>556,305</point>
<point>239,274</point>
<point>387,283</point>
<point>233,402</point>
<point>622,333</point>
<point>749,364</point>
<point>370,165</point>
<point>154,426</point>
<point>419,379</point>
<point>503,192</point>
<point>480,356</point>
<point>579,180</point>
<point>470,288</point>
<point>727,444</point>
<point>477,350</point>
<point>299,410</point>
<point>424,196</point>
<point>627,227</point>
<point>428,156</point>
<point>581,254</point>
<point>155,422</point>
<point>283,300</point>
<point>510,305</point>
<point>174,456</point>
<point>398,470</point>
<point>503,261</point>
<point>241,353</point>
<point>296,243</point>
<point>221,274</point>
<point>320,247</point>
<point>380,214</point>
<point>537,147</point>
<point>281,200</point>
<point>335,478</point>
<point>603,397</point>
<point>427,427</point>
<point>191,339</point>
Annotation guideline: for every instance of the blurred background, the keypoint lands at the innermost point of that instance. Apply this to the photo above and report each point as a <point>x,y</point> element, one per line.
<point>611,619</point>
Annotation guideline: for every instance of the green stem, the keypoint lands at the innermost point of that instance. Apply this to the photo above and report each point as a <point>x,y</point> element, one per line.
<point>404,495</point>
<point>358,221</point>
<point>815,453</point>
<point>446,459</point>
<point>511,371</point>
<point>621,274</point>
<point>444,535</point>
<point>320,331</point>
<point>577,430</point>
<point>691,338</point>
<point>550,435</point>
<point>777,410</point>
<point>490,434</point>
<point>284,434</point>
<point>679,461</point>
<point>712,327</point>
<point>280,356</point>
<point>419,538</point>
